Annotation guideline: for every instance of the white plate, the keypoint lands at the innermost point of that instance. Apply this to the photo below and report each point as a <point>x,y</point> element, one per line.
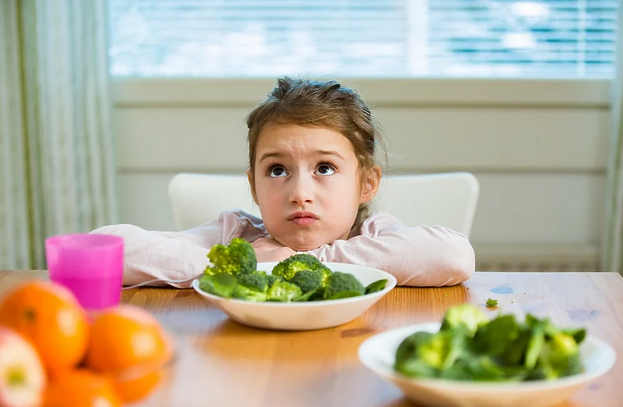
<point>378,354</point>
<point>301,316</point>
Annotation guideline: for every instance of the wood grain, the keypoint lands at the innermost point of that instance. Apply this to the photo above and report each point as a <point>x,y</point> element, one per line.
<point>224,363</point>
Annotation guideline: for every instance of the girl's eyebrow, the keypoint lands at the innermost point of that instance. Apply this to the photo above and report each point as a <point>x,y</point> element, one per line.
<point>270,155</point>
<point>330,153</point>
<point>277,154</point>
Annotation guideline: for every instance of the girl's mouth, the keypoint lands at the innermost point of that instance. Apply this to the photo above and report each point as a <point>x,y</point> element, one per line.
<point>304,221</point>
<point>303,218</point>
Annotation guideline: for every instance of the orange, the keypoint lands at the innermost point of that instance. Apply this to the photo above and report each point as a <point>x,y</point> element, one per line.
<point>81,388</point>
<point>140,386</point>
<point>50,317</point>
<point>129,342</point>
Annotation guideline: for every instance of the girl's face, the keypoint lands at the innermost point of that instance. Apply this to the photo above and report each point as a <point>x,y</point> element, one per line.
<point>307,184</point>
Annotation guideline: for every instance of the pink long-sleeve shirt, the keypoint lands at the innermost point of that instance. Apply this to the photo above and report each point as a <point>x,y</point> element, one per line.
<point>416,256</point>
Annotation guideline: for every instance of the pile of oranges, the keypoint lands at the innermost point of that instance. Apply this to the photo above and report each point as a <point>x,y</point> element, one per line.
<point>103,359</point>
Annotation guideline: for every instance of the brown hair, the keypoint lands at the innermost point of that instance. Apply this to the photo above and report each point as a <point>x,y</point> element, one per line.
<point>319,104</point>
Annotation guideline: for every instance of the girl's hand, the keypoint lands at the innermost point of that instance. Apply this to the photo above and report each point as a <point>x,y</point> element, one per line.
<point>267,249</point>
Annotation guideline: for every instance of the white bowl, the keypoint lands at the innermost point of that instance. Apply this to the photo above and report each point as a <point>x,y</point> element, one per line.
<point>378,354</point>
<point>301,316</point>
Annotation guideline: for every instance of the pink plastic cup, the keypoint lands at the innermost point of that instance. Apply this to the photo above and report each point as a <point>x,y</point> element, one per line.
<point>89,265</point>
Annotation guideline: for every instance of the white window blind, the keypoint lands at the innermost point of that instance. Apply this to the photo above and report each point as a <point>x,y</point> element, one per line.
<point>363,38</point>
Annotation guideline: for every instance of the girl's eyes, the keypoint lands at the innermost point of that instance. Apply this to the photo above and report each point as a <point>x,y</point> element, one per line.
<point>325,169</point>
<point>277,171</point>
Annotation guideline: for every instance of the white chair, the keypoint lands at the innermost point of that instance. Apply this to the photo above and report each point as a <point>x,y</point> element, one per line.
<point>199,198</point>
<point>447,199</point>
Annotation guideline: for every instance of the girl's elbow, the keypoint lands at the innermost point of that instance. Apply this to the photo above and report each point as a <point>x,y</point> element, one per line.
<point>462,264</point>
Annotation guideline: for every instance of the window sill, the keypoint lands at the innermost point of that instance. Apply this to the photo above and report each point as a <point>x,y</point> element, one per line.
<point>389,92</point>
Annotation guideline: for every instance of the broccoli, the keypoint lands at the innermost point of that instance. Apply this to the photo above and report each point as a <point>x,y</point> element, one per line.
<point>491,303</point>
<point>237,258</point>
<point>302,261</point>
<point>343,285</point>
<point>308,296</point>
<point>221,284</point>
<point>308,280</point>
<point>252,287</point>
<point>243,292</point>
<point>270,279</point>
<point>465,316</point>
<point>257,280</point>
<point>283,291</point>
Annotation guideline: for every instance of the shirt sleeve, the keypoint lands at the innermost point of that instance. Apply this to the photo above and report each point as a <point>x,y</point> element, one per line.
<point>179,255</point>
<point>421,256</point>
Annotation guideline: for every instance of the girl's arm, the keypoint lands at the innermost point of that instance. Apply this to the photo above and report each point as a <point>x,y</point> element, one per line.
<point>416,256</point>
<point>178,255</point>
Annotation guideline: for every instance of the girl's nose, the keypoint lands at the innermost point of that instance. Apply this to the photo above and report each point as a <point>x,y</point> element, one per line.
<point>302,190</point>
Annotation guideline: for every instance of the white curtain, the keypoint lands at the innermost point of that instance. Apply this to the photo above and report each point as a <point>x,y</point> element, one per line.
<point>613,242</point>
<point>56,145</point>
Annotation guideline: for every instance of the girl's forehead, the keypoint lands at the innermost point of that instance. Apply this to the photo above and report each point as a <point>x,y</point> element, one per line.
<point>292,136</point>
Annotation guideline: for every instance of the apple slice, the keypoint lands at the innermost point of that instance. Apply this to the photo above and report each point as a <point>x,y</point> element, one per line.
<point>22,377</point>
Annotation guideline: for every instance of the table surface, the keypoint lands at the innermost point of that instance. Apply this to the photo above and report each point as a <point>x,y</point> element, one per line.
<point>224,363</point>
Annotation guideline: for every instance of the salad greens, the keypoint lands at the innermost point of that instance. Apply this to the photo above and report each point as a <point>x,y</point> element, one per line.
<point>469,347</point>
<point>302,277</point>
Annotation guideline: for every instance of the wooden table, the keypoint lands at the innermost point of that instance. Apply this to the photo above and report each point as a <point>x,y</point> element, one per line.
<point>222,363</point>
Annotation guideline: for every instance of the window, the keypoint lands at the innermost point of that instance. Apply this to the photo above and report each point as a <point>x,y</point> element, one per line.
<point>363,38</point>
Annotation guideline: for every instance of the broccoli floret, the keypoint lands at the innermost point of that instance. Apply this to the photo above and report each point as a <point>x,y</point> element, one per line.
<point>306,297</point>
<point>257,280</point>
<point>237,258</point>
<point>308,280</point>
<point>491,303</point>
<point>343,285</point>
<point>465,316</point>
<point>302,261</point>
<point>221,284</point>
<point>283,291</point>
<point>270,279</point>
<point>243,292</point>
<point>252,287</point>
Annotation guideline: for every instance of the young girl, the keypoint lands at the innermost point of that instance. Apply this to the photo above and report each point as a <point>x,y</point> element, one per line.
<point>312,172</point>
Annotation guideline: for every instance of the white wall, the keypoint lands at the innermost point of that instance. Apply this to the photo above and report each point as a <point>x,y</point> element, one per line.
<point>538,148</point>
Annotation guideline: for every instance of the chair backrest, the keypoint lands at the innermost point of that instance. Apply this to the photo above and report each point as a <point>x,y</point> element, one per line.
<point>447,199</point>
<point>199,198</point>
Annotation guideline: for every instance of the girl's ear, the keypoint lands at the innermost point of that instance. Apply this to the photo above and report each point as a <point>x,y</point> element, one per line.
<point>252,185</point>
<point>370,185</point>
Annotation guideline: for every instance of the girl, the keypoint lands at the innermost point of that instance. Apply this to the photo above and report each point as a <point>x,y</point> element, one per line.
<point>312,172</point>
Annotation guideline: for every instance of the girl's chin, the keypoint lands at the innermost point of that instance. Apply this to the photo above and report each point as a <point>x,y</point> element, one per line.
<point>305,243</point>
<point>298,246</point>
<point>304,248</point>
